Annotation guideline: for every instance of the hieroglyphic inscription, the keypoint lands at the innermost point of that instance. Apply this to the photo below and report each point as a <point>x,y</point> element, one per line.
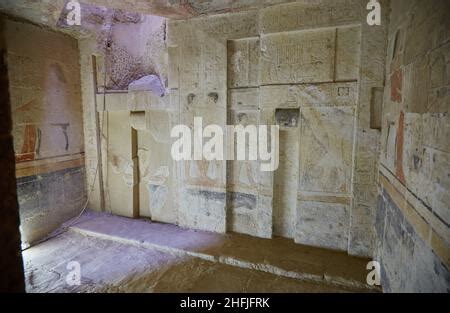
<point>309,14</point>
<point>243,62</point>
<point>326,149</point>
<point>298,57</point>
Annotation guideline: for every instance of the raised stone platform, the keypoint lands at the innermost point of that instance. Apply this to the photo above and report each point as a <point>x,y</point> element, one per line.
<point>126,255</point>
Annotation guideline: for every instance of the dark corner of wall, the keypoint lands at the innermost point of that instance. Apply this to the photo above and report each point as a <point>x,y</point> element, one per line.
<point>11,266</point>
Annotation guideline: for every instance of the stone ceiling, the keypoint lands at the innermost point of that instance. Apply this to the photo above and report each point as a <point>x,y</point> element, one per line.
<point>50,13</point>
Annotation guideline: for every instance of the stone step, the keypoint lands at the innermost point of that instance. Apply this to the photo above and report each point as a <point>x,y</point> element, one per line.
<point>277,256</point>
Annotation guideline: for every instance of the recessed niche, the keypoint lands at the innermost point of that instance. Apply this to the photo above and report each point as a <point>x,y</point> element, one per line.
<point>287,117</point>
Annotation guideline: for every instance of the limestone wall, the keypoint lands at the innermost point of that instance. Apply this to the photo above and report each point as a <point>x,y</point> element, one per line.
<point>317,64</point>
<point>126,48</point>
<point>47,119</point>
<point>414,202</point>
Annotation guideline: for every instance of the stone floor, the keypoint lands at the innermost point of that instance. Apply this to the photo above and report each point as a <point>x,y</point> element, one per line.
<point>123,255</point>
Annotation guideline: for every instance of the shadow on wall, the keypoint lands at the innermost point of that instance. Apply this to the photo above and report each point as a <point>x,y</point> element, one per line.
<point>11,266</point>
<point>47,127</point>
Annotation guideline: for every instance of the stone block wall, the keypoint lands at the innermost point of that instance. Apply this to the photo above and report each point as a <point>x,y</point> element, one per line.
<point>316,63</point>
<point>49,199</point>
<point>414,202</point>
<point>116,148</point>
<point>321,65</point>
<point>44,75</point>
